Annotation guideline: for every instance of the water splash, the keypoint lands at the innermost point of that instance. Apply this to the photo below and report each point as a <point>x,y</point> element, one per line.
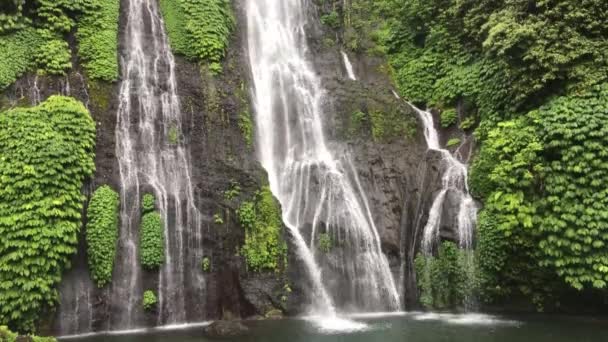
<point>152,156</point>
<point>349,67</point>
<point>319,192</point>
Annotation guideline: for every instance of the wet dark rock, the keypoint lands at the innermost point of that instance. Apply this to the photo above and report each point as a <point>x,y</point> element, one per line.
<point>220,329</point>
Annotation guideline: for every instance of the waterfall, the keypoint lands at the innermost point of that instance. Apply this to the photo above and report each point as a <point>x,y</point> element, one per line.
<point>318,187</point>
<point>349,67</point>
<point>454,182</point>
<point>152,157</point>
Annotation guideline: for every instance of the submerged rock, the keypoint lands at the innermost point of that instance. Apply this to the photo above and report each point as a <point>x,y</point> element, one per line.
<point>225,329</point>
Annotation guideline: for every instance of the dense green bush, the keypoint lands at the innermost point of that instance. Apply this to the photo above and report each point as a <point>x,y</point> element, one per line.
<point>9,336</point>
<point>199,29</point>
<point>442,279</point>
<point>149,300</point>
<point>98,39</point>
<point>46,152</point>
<point>17,52</point>
<point>102,233</point>
<point>449,117</point>
<point>152,241</point>
<point>148,203</point>
<point>264,248</point>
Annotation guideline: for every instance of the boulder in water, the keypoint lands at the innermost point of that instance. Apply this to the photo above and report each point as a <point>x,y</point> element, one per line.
<point>225,329</point>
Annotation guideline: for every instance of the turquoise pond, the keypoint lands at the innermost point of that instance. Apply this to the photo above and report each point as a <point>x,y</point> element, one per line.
<point>415,327</point>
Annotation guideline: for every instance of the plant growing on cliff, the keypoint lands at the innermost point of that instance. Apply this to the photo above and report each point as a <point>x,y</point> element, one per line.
<point>148,203</point>
<point>449,117</point>
<point>17,52</point>
<point>102,233</point>
<point>199,29</point>
<point>46,152</point>
<point>206,264</point>
<point>149,301</point>
<point>325,243</point>
<point>152,241</point>
<point>441,280</point>
<point>264,248</point>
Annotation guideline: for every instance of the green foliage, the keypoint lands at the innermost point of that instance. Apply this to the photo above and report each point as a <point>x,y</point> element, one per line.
<point>199,29</point>
<point>217,219</point>
<point>54,55</point>
<point>332,19</point>
<point>449,117</point>
<point>574,226</point>
<point>233,192</point>
<point>391,125</point>
<point>46,152</point>
<point>173,135</point>
<point>467,123</point>
<point>246,126</point>
<point>98,39</point>
<point>17,52</point>
<point>441,279</point>
<point>102,233</point>
<point>543,178</point>
<point>148,203</point>
<point>453,142</point>
<point>149,300</point>
<point>325,242</point>
<point>206,264</point>
<point>264,248</point>
<point>152,241</point>
<point>8,336</point>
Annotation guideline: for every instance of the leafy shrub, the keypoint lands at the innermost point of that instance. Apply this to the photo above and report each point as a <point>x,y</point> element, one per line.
<point>441,280</point>
<point>264,247</point>
<point>199,29</point>
<point>148,203</point>
<point>17,52</point>
<point>206,264</point>
<point>332,19</point>
<point>46,152</point>
<point>150,300</point>
<point>391,125</point>
<point>102,233</point>
<point>449,117</point>
<point>54,55</point>
<point>325,243</point>
<point>453,142</point>
<point>9,336</point>
<point>98,39</point>
<point>152,241</point>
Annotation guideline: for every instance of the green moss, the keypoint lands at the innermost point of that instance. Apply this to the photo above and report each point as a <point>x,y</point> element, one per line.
<point>102,233</point>
<point>149,301</point>
<point>391,125</point>
<point>152,241</point>
<point>264,248</point>
<point>100,94</point>
<point>46,152</point>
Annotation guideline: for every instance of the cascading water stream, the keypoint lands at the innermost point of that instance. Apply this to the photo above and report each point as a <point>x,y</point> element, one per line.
<point>349,66</point>
<point>454,181</point>
<point>152,157</point>
<point>319,192</point>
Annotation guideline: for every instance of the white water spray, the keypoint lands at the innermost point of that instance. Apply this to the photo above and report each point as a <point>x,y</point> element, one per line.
<point>152,156</point>
<point>349,67</point>
<point>319,192</point>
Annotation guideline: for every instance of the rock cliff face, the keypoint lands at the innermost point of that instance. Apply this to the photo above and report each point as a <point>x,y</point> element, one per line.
<point>396,171</point>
